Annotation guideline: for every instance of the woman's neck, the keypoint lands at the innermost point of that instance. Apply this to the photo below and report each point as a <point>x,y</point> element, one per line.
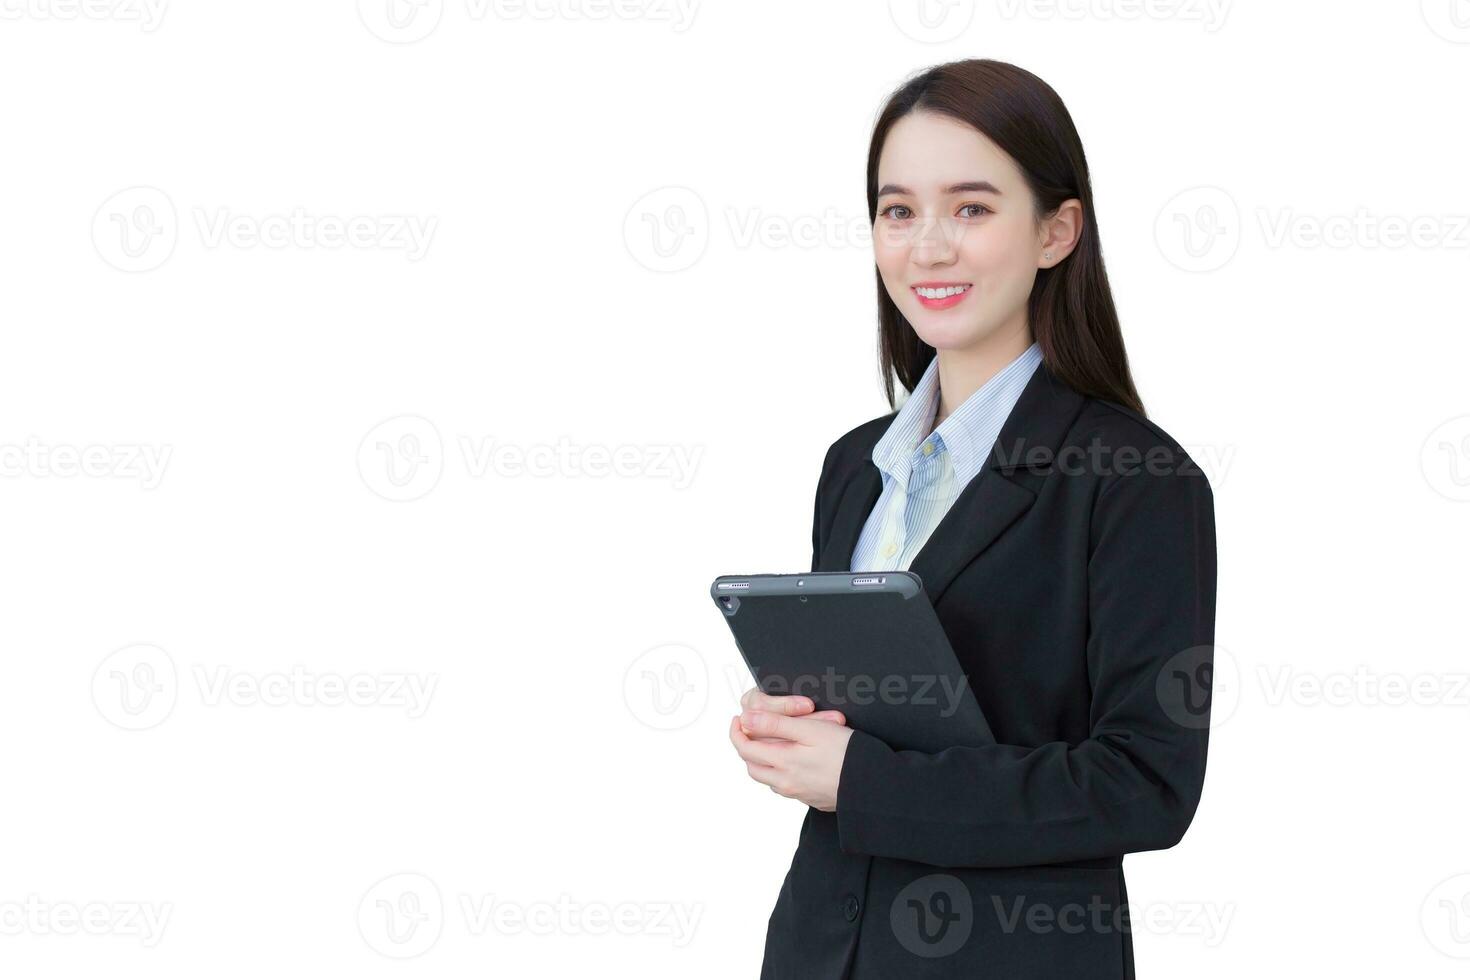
<point>962,372</point>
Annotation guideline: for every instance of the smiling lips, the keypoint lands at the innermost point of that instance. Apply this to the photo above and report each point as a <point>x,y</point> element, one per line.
<point>940,295</point>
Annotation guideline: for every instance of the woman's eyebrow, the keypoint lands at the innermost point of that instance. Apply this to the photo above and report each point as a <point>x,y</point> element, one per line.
<point>965,187</point>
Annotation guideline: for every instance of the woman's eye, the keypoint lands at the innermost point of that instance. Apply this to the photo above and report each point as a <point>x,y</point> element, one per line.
<point>968,211</point>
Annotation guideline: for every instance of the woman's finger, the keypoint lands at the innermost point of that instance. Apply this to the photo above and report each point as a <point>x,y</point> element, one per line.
<point>763,753</point>
<point>831,716</point>
<point>761,774</point>
<point>779,704</point>
<point>798,731</point>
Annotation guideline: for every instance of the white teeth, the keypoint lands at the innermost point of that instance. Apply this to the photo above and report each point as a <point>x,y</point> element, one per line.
<point>939,293</point>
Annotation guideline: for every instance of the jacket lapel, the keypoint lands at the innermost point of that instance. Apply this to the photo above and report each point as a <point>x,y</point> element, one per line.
<point>859,494</point>
<point>1003,489</point>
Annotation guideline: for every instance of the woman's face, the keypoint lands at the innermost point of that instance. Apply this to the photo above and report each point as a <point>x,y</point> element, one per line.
<point>954,213</point>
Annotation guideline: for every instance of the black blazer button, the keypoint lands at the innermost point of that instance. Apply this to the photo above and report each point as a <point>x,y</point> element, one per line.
<point>850,908</point>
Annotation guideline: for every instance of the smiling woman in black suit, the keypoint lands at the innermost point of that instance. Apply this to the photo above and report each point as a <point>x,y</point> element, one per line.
<point>1067,544</point>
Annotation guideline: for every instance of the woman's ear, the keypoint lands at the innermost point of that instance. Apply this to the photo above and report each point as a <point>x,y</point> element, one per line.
<point>1060,232</point>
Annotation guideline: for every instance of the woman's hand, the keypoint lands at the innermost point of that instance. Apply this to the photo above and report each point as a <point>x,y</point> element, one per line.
<point>794,750</point>
<point>795,704</point>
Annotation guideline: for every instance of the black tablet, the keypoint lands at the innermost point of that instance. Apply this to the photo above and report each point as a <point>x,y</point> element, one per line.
<point>868,644</point>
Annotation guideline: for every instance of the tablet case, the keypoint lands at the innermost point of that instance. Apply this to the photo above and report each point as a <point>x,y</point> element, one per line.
<point>868,644</point>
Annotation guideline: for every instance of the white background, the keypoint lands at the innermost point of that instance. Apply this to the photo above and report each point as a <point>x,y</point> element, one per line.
<point>643,232</point>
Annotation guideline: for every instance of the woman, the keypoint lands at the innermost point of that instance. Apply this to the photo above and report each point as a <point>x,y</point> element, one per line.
<point>1066,542</point>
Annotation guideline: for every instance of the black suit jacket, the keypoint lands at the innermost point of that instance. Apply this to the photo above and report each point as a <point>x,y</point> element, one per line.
<point>1075,578</point>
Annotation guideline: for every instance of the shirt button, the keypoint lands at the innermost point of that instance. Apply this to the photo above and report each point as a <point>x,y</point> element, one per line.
<point>889,549</point>
<point>928,448</point>
<point>850,908</point>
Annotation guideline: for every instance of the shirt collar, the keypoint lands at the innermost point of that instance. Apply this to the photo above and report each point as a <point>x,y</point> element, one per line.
<point>970,431</point>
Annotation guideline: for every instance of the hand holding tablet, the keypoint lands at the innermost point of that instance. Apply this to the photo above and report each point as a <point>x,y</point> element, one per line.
<point>867,644</point>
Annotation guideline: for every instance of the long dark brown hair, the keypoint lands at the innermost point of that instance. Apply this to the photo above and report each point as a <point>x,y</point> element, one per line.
<point>1070,309</point>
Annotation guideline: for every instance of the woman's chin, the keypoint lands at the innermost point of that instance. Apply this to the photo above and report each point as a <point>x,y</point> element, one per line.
<point>947,335</point>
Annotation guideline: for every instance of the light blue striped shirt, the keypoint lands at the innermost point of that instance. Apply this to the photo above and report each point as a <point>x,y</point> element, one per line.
<point>923,476</point>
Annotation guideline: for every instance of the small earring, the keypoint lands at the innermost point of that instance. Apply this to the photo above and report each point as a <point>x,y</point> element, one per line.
<point>1047,256</point>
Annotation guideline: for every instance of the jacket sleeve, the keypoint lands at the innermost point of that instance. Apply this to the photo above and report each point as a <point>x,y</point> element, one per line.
<point>1134,783</point>
<point>817,508</point>
<point>817,528</point>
